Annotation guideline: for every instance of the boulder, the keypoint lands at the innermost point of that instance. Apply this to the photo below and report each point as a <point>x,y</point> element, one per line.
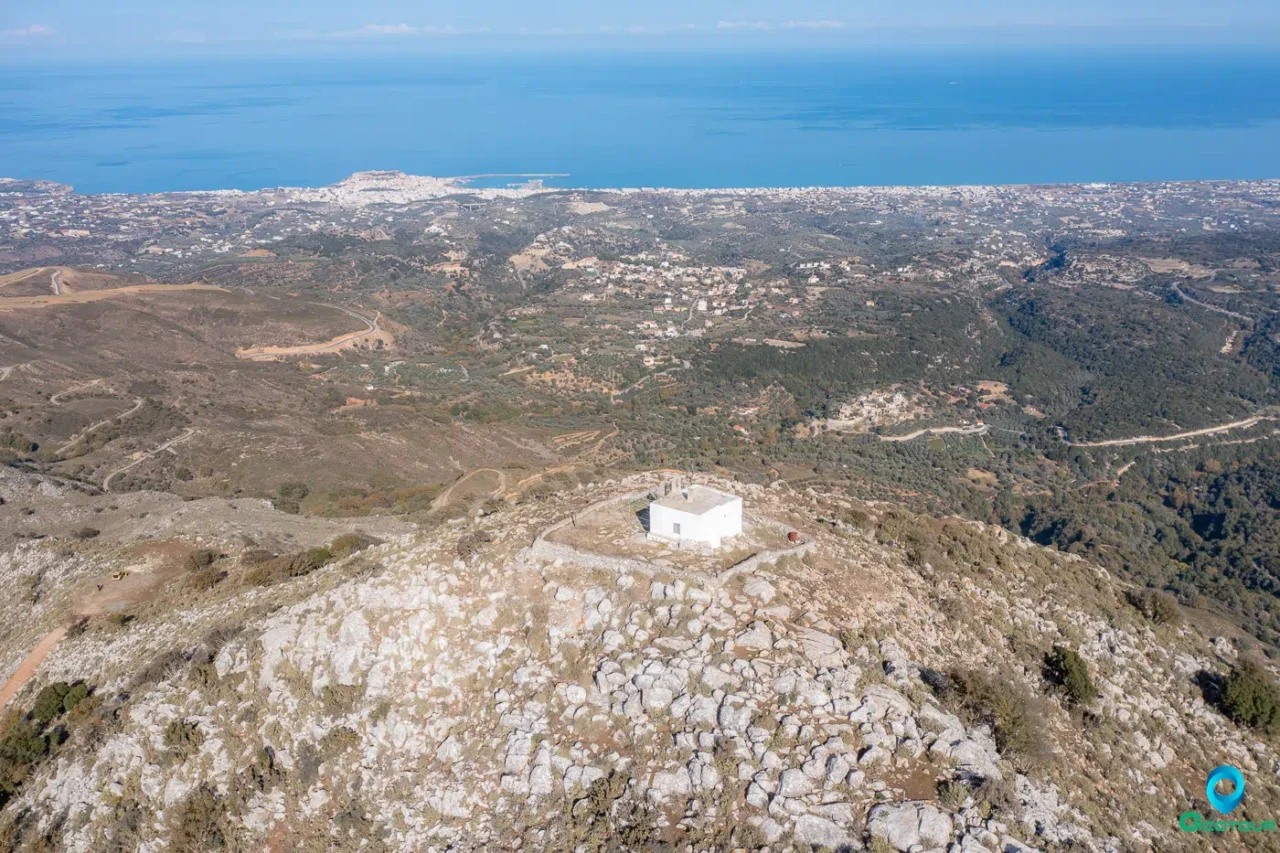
<point>820,832</point>
<point>906,825</point>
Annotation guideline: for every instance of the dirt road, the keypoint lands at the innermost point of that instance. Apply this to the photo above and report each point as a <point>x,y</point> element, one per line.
<point>372,330</point>
<point>1155,439</point>
<point>442,499</point>
<point>106,484</point>
<point>54,299</point>
<point>56,399</point>
<point>137,404</point>
<point>30,664</point>
<point>976,429</point>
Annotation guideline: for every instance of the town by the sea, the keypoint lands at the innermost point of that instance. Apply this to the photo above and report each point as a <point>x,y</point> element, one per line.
<point>642,119</point>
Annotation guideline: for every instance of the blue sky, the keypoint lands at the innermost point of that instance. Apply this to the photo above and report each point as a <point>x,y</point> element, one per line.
<point>34,28</point>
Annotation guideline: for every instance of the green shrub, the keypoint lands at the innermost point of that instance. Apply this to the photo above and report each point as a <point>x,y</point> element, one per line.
<point>289,496</point>
<point>1249,698</point>
<point>77,694</point>
<point>199,823</point>
<point>998,797</point>
<point>1014,715</point>
<point>289,566</point>
<point>201,558</point>
<point>1068,671</point>
<point>29,740</point>
<point>49,701</point>
<point>256,557</point>
<point>952,793</point>
<point>207,578</point>
<point>1160,607</point>
<point>349,544</point>
<point>183,738</point>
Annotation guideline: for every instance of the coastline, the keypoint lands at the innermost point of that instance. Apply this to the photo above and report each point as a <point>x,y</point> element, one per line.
<point>394,187</point>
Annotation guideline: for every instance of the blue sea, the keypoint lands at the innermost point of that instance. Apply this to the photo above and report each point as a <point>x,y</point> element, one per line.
<point>681,119</point>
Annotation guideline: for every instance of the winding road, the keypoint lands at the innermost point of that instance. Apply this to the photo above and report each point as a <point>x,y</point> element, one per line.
<point>106,484</point>
<point>442,499</point>
<point>976,429</point>
<point>269,353</point>
<point>1206,306</point>
<point>1155,439</point>
<point>56,399</point>
<point>137,404</point>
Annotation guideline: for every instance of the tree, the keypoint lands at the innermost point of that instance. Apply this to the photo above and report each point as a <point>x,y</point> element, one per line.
<point>1249,698</point>
<point>1068,671</point>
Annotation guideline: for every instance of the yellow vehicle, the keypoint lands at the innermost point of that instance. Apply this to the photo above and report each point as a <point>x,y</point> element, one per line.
<point>120,575</point>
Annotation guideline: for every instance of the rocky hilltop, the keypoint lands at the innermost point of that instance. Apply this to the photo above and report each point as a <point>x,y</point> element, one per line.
<point>891,683</point>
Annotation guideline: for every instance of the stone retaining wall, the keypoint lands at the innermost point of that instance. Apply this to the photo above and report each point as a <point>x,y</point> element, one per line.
<point>542,549</point>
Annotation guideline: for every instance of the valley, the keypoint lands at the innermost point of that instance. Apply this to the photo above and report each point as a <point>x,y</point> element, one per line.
<point>323,516</point>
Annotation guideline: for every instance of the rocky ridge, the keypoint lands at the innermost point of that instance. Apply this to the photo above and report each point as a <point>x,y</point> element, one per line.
<point>486,698</point>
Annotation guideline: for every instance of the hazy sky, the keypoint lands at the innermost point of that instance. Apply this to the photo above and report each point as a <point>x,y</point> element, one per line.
<point>36,28</point>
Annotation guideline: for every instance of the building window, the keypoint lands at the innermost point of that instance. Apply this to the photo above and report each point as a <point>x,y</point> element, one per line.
<point>675,528</point>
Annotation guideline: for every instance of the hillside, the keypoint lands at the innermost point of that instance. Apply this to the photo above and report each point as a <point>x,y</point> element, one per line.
<point>488,683</point>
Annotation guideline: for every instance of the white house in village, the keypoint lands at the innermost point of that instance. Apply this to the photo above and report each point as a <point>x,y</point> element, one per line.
<point>696,514</point>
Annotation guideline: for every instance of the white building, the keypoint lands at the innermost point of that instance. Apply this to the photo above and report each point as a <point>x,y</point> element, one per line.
<point>696,514</point>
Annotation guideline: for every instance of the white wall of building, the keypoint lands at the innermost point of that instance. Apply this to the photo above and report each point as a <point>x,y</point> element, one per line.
<point>719,522</point>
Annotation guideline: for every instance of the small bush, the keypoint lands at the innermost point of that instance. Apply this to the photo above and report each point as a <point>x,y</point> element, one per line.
<point>86,533</point>
<point>77,694</point>
<point>1065,669</point>
<point>201,558</point>
<point>349,544</point>
<point>256,557</point>
<point>207,578</point>
<point>952,793</point>
<point>289,497</point>
<point>183,738</point>
<point>1160,607</point>
<point>289,566</point>
<point>49,702</point>
<point>469,545</point>
<point>199,823</point>
<point>1013,714</point>
<point>1249,698</point>
<point>998,797</point>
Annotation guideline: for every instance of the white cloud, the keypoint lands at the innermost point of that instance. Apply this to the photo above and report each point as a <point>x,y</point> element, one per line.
<point>33,31</point>
<point>401,30</point>
<point>646,29</point>
<point>813,25</point>
<point>744,25</point>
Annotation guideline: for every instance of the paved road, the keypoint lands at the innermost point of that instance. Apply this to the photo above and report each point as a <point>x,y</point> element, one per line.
<point>1206,306</point>
<point>106,484</point>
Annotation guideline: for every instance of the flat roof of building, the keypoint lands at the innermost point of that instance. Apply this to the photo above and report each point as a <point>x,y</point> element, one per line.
<point>700,500</point>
